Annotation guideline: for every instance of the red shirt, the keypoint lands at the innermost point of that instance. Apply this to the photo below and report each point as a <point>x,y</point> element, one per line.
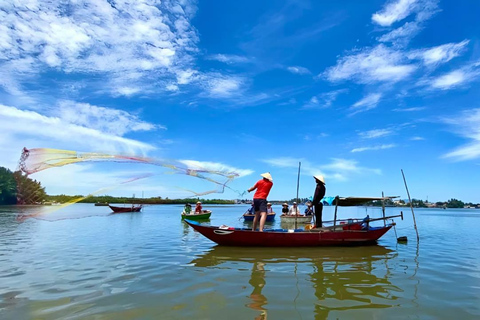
<point>263,189</point>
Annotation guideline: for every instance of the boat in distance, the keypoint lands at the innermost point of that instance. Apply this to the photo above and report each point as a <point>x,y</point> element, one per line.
<point>343,232</point>
<point>249,217</point>
<point>126,209</point>
<point>205,214</point>
<point>101,204</point>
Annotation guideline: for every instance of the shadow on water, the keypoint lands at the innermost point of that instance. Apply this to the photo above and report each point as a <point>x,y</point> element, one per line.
<point>341,278</point>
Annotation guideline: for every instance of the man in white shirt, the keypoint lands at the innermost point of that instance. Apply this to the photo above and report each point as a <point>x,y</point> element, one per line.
<point>294,210</point>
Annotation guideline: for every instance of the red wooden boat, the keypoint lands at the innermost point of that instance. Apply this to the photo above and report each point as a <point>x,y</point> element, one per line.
<point>349,232</point>
<point>126,209</point>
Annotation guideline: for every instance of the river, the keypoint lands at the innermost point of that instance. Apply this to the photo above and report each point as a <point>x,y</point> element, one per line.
<point>81,262</point>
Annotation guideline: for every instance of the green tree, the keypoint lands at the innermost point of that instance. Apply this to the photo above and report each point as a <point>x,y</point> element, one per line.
<point>454,203</point>
<point>8,187</point>
<point>29,191</point>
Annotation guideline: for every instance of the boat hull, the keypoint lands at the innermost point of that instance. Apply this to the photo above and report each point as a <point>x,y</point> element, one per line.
<point>285,238</point>
<point>299,219</point>
<point>125,209</point>
<point>197,216</point>
<point>249,217</point>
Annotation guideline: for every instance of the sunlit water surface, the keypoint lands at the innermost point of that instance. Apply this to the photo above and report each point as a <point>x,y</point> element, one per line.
<point>81,262</point>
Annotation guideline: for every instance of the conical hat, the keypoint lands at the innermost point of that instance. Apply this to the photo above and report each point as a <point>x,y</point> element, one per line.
<point>320,177</point>
<point>267,175</point>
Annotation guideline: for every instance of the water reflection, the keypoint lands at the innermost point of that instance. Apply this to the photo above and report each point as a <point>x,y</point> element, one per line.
<point>341,279</point>
<point>257,281</point>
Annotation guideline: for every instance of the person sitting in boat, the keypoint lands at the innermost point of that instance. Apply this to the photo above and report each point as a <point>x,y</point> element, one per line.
<point>269,208</point>
<point>285,209</point>
<point>188,208</point>
<point>309,209</point>
<point>294,210</point>
<point>251,210</point>
<point>198,208</point>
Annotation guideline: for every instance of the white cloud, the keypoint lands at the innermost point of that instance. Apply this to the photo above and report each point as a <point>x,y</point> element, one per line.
<point>298,70</point>
<point>455,78</point>
<point>466,125</point>
<point>368,102</point>
<point>228,58</point>
<point>398,10</point>
<point>380,147</point>
<point>376,133</point>
<point>111,40</point>
<point>413,109</point>
<point>24,125</point>
<point>108,120</point>
<point>336,169</point>
<point>449,80</point>
<point>221,86</point>
<point>440,54</point>
<point>216,167</point>
<point>371,65</point>
<point>394,11</point>
<point>417,138</point>
<point>324,100</point>
<point>401,35</point>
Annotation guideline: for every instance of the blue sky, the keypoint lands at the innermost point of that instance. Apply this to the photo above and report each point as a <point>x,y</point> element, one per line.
<point>353,90</point>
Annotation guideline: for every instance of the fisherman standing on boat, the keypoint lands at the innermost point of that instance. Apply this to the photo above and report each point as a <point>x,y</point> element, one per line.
<point>317,199</point>
<point>263,187</point>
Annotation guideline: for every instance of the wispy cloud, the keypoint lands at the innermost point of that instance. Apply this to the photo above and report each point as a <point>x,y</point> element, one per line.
<point>376,133</point>
<point>373,148</point>
<point>398,10</point>
<point>215,167</point>
<point>368,102</point>
<point>456,78</point>
<point>222,86</point>
<point>107,120</point>
<point>440,54</point>
<point>417,138</point>
<point>51,130</point>
<point>394,11</point>
<point>370,65</point>
<point>467,125</point>
<point>298,70</point>
<point>412,109</point>
<point>324,100</point>
<point>337,169</point>
<point>229,58</point>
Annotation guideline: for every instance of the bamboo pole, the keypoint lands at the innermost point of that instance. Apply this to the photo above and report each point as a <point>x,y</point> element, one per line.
<point>411,206</point>
<point>383,209</point>
<point>298,185</point>
<point>336,207</point>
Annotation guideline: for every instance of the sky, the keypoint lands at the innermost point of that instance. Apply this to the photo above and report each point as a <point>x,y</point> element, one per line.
<point>353,90</point>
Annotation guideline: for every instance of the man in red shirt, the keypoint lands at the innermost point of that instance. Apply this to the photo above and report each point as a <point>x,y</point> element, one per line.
<point>263,187</point>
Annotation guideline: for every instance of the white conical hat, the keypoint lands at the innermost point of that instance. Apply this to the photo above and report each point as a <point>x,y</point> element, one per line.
<point>267,175</point>
<point>319,177</point>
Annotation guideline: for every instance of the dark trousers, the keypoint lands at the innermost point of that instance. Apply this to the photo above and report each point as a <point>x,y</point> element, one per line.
<point>318,215</point>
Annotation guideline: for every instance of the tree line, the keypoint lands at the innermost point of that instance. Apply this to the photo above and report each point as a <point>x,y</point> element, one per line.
<point>17,188</point>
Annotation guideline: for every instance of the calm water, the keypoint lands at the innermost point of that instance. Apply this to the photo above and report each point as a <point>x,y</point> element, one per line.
<point>80,262</point>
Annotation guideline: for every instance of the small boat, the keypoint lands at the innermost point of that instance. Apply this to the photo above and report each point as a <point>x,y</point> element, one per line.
<point>101,204</point>
<point>343,232</point>
<point>126,209</point>
<point>249,217</point>
<point>197,216</point>
<point>291,219</point>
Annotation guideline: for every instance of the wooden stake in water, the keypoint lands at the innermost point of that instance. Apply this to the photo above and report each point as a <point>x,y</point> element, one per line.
<point>411,205</point>
<point>298,184</point>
